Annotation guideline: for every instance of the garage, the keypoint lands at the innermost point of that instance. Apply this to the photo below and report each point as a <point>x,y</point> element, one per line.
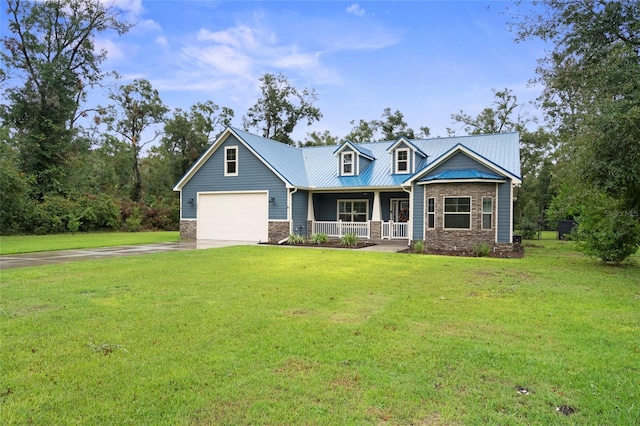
<point>238,216</point>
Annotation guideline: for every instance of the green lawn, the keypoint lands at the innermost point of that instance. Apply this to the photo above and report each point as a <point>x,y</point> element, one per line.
<point>272,335</point>
<point>33,243</point>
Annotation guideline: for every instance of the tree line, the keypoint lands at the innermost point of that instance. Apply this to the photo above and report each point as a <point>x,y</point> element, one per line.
<point>69,166</point>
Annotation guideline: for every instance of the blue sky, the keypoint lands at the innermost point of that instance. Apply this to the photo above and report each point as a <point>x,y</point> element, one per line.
<point>428,59</point>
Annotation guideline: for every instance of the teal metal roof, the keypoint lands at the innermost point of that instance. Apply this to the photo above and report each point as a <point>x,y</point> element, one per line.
<point>317,167</point>
<point>461,174</point>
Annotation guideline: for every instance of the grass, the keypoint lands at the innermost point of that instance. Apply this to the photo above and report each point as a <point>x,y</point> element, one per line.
<point>34,243</point>
<point>272,335</point>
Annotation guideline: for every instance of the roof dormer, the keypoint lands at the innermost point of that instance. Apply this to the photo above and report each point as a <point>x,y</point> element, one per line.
<point>352,159</point>
<point>405,156</point>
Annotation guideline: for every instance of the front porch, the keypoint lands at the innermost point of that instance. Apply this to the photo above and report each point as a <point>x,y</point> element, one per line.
<point>368,230</point>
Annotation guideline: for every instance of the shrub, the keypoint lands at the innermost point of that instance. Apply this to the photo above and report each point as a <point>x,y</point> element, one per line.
<point>320,238</point>
<point>528,229</point>
<point>133,223</point>
<point>607,231</point>
<point>418,247</point>
<point>481,250</point>
<point>297,239</point>
<point>349,240</point>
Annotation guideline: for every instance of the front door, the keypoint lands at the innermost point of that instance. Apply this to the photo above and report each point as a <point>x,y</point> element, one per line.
<point>400,210</point>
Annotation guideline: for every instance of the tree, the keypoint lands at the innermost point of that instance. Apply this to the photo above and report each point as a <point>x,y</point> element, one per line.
<point>188,134</point>
<point>391,126</point>
<point>363,131</point>
<point>280,108</point>
<point>51,50</point>
<point>320,139</point>
<point>592,92</point>
<point>495,119</point>
<point>137,110</point>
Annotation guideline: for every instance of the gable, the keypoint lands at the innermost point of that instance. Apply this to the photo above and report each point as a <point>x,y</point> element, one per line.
<point>460,157</point>
<point>268,152</point>
<point>459,161</point>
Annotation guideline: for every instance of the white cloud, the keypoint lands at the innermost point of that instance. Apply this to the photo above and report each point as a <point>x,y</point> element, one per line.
<point>147,25</point>
<point>114,52</point>
<point>355,9</point>
<point>162,41</point>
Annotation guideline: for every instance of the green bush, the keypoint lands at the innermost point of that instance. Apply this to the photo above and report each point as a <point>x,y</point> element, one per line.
<point>481,250</point>
<point>607,231</point>
<point>349,240</point>
<point>99,212</point>
<point>418,246</point>
<point>297,239</point>
<point>528,229</point>
<point>320,238</point>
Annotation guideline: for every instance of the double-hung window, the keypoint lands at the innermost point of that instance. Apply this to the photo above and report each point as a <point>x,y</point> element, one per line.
<point>431,212</point>
<point>457,213</point>
<point>231,161</point>
<point>353,210</point>
<point>402,161</point>
<point>347,164</point>
<point>487,212</point>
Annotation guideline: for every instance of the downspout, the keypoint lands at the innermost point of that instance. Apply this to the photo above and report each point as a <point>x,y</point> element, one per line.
<point>290,209</point>
<point>412,215</point>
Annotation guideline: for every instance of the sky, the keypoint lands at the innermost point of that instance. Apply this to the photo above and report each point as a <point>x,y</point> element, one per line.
<point>428,59</point>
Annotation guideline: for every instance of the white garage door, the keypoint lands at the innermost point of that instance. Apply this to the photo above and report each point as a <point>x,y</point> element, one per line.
<point>235,217</point>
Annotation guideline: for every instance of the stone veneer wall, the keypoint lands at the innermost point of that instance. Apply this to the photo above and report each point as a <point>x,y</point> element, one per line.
<point>278,230</point>
<point>375,231</point>
<point>188,229</point>
<point>439,238</point>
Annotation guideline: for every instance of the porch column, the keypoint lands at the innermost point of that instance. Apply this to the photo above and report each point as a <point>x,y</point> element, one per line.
<point>376,214</point>
<point>376,217</point>
<point>310,215</point>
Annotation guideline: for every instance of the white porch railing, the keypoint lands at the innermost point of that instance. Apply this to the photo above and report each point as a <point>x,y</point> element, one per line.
<point>392,230</point>
<point>339,228</point>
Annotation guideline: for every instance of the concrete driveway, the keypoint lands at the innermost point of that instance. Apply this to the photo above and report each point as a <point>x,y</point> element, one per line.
<point>24,260</point>
<point>64,256</point>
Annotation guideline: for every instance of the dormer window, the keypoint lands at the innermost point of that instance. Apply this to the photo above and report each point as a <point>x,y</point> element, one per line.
<point>402,161</point>
<point>231,161</point>
<point>347,163</point>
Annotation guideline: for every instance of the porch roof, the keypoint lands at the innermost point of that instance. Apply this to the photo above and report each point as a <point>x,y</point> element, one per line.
<point>464,174</point>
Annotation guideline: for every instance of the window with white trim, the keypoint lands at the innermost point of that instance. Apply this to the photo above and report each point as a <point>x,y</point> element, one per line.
<point>231,161</point>
<point>457,213</point>
<point>431,212</point>
<point>353,210</point>
<point>487,212</point>
<point>347,164</point>
<point>402,161</point>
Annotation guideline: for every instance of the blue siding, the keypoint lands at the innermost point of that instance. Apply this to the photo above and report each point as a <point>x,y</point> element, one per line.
<point>504,210</point>
<point>252,175</point>
<point>459,161</point>
<point>394,156</point>
<point>363,163</point>
<point>418,212</point>
<point>299,201</point>
<point>385,202</point>
<point>325,206</point>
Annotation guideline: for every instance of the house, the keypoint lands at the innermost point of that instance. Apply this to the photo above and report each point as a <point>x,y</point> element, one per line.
<point>453,193</point>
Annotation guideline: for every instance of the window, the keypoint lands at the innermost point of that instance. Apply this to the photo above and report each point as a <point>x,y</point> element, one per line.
<point>231,161</point>
<point>347,164</point>
<point>402,161</point>
<point>353,210</point>
<point>487,212</point>
<point>457,213</point>
<point>431,212</point>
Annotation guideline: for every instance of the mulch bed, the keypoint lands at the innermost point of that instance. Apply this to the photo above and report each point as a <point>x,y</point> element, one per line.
<point>331,244</point>
<point>516,253</point>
